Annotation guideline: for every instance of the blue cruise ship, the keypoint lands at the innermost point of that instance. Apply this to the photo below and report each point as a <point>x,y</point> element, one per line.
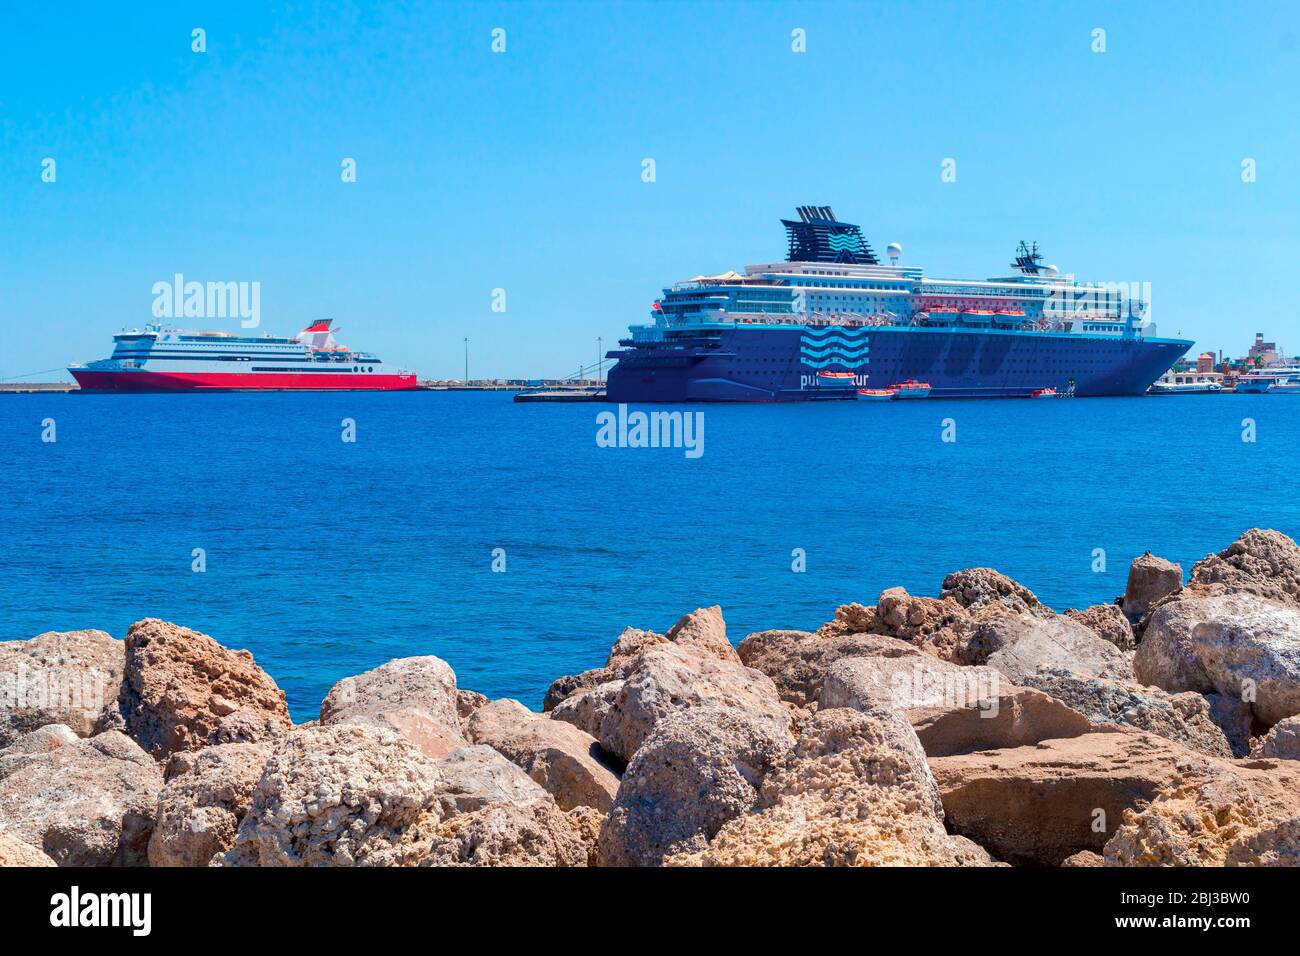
<point>832,320</point>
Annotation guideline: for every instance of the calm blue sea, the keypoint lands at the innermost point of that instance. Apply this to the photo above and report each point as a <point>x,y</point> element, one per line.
<point>327,558</point>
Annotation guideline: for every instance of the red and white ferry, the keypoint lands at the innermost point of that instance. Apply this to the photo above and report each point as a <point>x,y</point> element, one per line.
<point>159,359</point>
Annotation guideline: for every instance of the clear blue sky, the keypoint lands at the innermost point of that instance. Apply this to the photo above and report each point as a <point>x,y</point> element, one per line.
<point>523,170</point>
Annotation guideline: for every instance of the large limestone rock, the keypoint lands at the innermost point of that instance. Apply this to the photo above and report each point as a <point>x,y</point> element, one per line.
<point>206,795</point>
<point>69,678</point>
<point>1016,717</point>
<point>935,624</point>
<point>472,778</point>
<point>905,682</point>
<point>502,834</point>
<point>587,700</point>
<point>1164,657</point>
<point>669,677</point>
<point>1265,563</point>
<point>704,631</point>
<point>414,696</point>
<point>1150,579</point>
<point>42,740</point>
<point>797,661</point>
<point>358,794</point>
<point>977,588</point>
<point>1043,803</point>
<point>562,688</point>
<point>1282,742</point>
<point>1108,622</point>
<point>854,791</point>
<point>14,852</point>
<point>952,709</point>
<point>567,762</point>
<point>182,691</point>
<point>1235,644</point>
<point>941,626</point>
<point>1185,718</point>
<point>468,701</point>
<point>628,647</point>
<point>1228,815</point>
<point>698,769</point>
<point>1021,645</point>
<point>586,710</point>
<point>622,656</point>
<point>82,802</point>
<point>1233,716</point>
<point>336,796</point>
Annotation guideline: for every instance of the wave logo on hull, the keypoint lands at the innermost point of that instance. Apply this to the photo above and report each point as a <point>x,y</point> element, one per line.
<point>822,348</point>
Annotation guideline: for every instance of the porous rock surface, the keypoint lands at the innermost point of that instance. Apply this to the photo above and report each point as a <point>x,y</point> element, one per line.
<point>181,690</point>
<point>83,802</point>
<point>699,768</point>
<point>854,791</point>
<point>206,794</point>
<point>1186,718</point>
<point>414,696</point>
<point>566,761</point>
<point>70,678</point>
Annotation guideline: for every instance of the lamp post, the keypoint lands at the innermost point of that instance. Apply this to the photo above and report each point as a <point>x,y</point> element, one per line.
<point>600,359</point>
<point>467,361</point>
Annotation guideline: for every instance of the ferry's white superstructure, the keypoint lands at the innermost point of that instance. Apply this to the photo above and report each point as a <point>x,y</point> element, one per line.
<point>162,359</point>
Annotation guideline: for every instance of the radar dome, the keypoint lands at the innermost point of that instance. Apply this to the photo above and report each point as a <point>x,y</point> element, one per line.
<point>894,250</point>
<point>1052,270</point>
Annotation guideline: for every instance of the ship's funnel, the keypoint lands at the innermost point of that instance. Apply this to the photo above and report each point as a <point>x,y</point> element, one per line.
<point>318,335</point>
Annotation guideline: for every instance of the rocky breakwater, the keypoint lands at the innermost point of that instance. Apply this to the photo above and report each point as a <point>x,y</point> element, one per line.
<point>975,728</point>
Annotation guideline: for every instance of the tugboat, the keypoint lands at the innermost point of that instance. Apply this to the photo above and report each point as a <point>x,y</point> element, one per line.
<point>911,388</point>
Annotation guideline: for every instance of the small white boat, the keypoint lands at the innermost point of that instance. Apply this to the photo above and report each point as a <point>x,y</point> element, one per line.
<point>1184,388</point>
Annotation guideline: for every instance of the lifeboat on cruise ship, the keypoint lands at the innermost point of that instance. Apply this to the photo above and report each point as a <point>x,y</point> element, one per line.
<point>1043,393</point>
<point>835,379</point>
<point>910,388</point>
<point>875,394</point>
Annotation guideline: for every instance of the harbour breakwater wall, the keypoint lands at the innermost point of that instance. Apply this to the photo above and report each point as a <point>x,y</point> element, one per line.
<point>976,728</point>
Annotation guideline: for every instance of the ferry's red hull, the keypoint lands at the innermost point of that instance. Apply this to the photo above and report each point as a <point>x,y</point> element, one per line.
<point>91,381</point>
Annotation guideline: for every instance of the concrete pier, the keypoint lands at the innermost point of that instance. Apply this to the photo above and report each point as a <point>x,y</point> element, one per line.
<point>23,388</point>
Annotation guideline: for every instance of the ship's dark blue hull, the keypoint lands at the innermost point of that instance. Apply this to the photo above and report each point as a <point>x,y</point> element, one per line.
<point>778,364</point>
